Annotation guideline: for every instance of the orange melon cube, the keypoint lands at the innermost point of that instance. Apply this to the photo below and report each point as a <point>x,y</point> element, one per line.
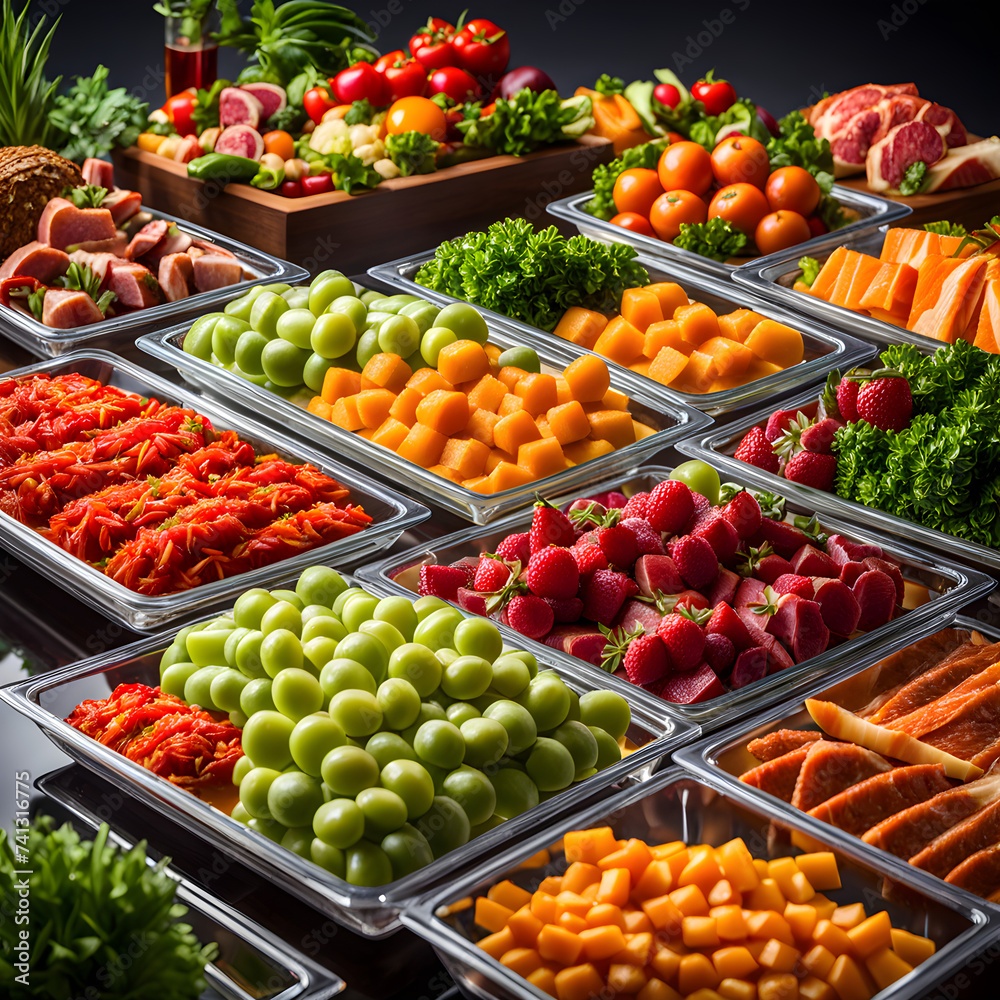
<point>850,980</point>
<point>614,399</point>
<point>699,932</point>
<point>321,408</point>
<point>525,926</point>
<point>637,922</point>
<point>777,986</point>
<point>777,343</point>
<point>702,870</point>
<point>613,426</point>
<point>563,392</point>
<point>663,913</point>
<point>668,366</point>
<point>778,956</point>
<point>641,307</point>
<point>544,906</point>
<point>697,323</point>
<point>690,900</point>
<point>374,405</point>
<point>849,916</point>
<point>340,382</point>
<point>601,914</point>
<point>510,894</point>
<point>765,924</point>
<point>581,326</point>
<point>481,425</point>
<point>633,855</point>
<point>885,967</point>
<point>568,901</point>
<point>579,875</point>
<point>616,884</point>
<point>446,412</point>
<point>831,937</point>
<point>811,988</point>
<point>590,845</point>
<point>511,375</point>
<point>731,358</point>
<point>637,951</point>
<point>723,894</point>
<point>568,422</point>
<point>386,371</point>
<point>507,476</point>
<point>498,944</point>
<point>588,378</point>
<point>620,342</point>
<point>656,880</point>
<point>491,915</point>
<point>426,380</point>
<point>572,922</point>
<point>802,918</point>
<point>733,962</point>
<point>730,922</point>
<point>912,948</point>
<point>578,982</point>
<point>820,867</point>
<point>739,324</point>
<point>602,942</point>
<point>696,972</point>
<point>737,989</point>
<point>557,944</point>
<point>871,935</point>
<point>344,413</point>
<point>666,963</point>
<point>513,430</point>
<point>466,456</point>
<point>404,407</point>
<point>511,403</point>
<point>496,456</point>
<point>391,433</point>
<point>586,450</point>
<point>699,372</point>
<point>422,445</point>
<point>487,394</point>
<point>590,892</point>
<point>624,979</point>
<point>541,458</point>
<point>666,333</point>
<point>462,361</point>
<point>819,961</point>
<point>538,392</point>
<point>523,961</point>
<point>670,295</point>
<point>737,864</point>
<point>481,484</point>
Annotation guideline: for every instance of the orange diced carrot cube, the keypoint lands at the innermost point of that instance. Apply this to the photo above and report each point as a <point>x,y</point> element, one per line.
<point>588,378</point>
<point>723,894</point>
<point>344,413</point>
<point>510,432</point>
<point>491,915</point>
<point>602,942</point>
<point>620,342</point>
<point>559,945</point>
<point>912,948</point>
<point>625,979</point>
<point>637,922</point>
<point>730,921</point>
<point>670,295</point>
<point>511,375</point>
<point>849,916</point>
<point>496,945</point>
<point>466,456</point>
<point>544,906</point>
<point>496,456</point>
<point>373,406</point>
<point>481,425</point>
<point>462,361</point>
<point>668,366</point>
<point>587,449</point>
<point>538,391</point>
<point>340,382</point>
<point>390,433</point>
<point>523,961</point>
<point>422,446</point>
<point>733,962</point>
<point>579,875</point>
<point>616,883</point>
<point>541,458</point>
<point>641,307</point>
<point>321,408</point>
<point>578,982</point>
<point>507,476</point>
<point>488,394</point>
<point>386,371</point>
<point>614,426</point>
<point>614,399</point>
<point>690,900</point>
<point>696,972</point>
<point>426,380</point>
<point>446,412</point>
<point>739,324</point>
<point>698,323</point>
<point>699,932</point>
<point>568,422</point>
<point>581,326</point>
<point>404,407</point>
<point>778,956</point>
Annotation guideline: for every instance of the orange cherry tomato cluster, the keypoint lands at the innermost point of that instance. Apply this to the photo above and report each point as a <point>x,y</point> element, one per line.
<point>735,182</point>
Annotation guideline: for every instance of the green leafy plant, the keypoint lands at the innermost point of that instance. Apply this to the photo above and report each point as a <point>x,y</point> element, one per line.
<point>82,278</point>
<point>412,152</point>
<point>528,121</point>
<point>605,174</point>
<point>797,146</point>
<point>192,14</point>
<point>810,268</point>
<point>944,228</point>
<point>608,85</point>
<point>914,178</point>
<point>92,905</point>
<point>718,238</point>
<point>26,95</point>
<point>86,196</point>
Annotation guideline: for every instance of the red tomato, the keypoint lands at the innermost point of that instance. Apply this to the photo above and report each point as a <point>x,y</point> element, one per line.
<point>740,159</point>
<point>416,114</point>
<point>674,208</point>
<point>404,77</point>
<point>780,230</point>
<point>178,109</point>
<point>716,95</point>
<point>360,82</point>
<point>794,189</point>
<point>454,83</point>
<point>635,190</point>
<point>291,189</point>
<point>817,227</point>
<point>634,222</point>
<point>317,102</point>
<point>317,184</point>
<point>483,50</point>
<point>667,94</point>
<point>685,166</point>
<point>432,47</point>
<point>674,137</point>
<point>741,204</point>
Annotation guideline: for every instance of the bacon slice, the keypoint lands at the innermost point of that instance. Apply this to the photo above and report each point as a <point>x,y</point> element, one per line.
<point>978,831</point>
<point>943,710</point>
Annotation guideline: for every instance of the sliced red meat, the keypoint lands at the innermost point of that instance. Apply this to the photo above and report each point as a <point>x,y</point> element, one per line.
<point>97,262</point>
<point>869,802</point>
<point>115,246</point>
<point>175,275</point>
<point>850,143</point>
<point>208,247</point>
<point>36,260</point>
<point>876,595</point>
<point>146,238</point>
<point>65,309</point>
<point>779,775</point>
<point>213,270</point>
<point>835,111</point>
<point>99,173</point>
<point>175,241</point>
<point>946,122</point>
<point>782,741</point>
<point>122,204</point>
<point>829,768</point>
<point>750,666</point>
<point>905,144</point>
<point>976,163</point>
<point>951,848</point>
<point>63,225</point>
<point>979,873</point>
<point>135,285</point>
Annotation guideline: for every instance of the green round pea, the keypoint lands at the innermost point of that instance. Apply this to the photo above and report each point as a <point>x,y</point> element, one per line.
<point>467,677</point>
<point>550,765</point>
<point>269,828</point>
<point>367,865</point>
<point>472,790</point>
<point>343,597</point>
<point>412,783</point>
<point>298,840</point>
<point>175,677</point>
<point>445,825</point>
<point>367,650</point>
<point>357,611</point>
<point>318,652</point>
<point>176,652</point>
<point>516,792</point>
<point>367,347</point>
<point>296,693</point>
<point>437,630</point>
<point>241,307</point>
<point>326,288</point>
<point>226,688</point>
<point>241,769</point>
<point>579,741</point>
<point>478,637</point>
<point>248,658</point>
<point>226,334</point>
<point>323,626</point>
<point>384,811</point>
<point>400,703</point>
<point>265,312</point>
<point>293,798</point>
<point>465,320</point>
<point>427,605</point>
<point>250,607</point>
<point>526,658</point>
<point>461,711</point>
<point>433,341</point>
<point>344,674</point>
<point>441,743</point>
<point>352,307</point>
<point>510,676</point>
<point>398,612</point>
<point>198,340</point>
<point>280,650</point>
<point>282,615</point>
<point>266,739</point>
<point>387,634</point>
<point>254,790</point>
<point>387,747</point>
<point>407,850</point>
<point>547,699</point>
<point>349,769</point>
<point>207,647</point>
<point>256,697</point>
<point>198,687</point>
<point>517,721</point>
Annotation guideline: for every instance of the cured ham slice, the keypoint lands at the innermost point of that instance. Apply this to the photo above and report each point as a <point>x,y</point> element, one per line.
<point>36,260</point>
<point>946,122</point>
<point>780,742</point>
<point>778,776</point>
<point>948,851</point>
<point>869,802</point>
<point>62,225</point>
<point>967,166</point>
<point>979,873</point>
<point>833,112</point>
<point>908,142</point>
<point>829,768</point>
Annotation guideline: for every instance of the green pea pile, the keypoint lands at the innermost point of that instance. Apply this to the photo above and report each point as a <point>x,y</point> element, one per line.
<point>381,733</point>
<point>286,339</point>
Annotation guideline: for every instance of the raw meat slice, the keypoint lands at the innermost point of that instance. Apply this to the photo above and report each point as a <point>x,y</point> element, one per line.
<point>850,143</point>
<point>946,122</point>
<point>838,109</point>
<point>966,166</point>
<point>65,309</point>
<point>798,625</point>
<point>750,666</point>
<point>214,270</point>
<point>979,873</point>
<point>241,140</point>
<point>831,767</point>
<point>175,275</point>
<point>35,260</point>
<point>779,775</point>
<point>135,285</point>
<point>971,729</point>
<point>950,849</point>
<point>272,98</point>
<point>942,710</point>
<point>781,741</point>
<point>963,662</point>
<point>63,225</point>
<point>870,801</point>
<point>99,173</point>
<point>837,604</point>
<point>239,107</point>
<point>896,110</point>
<point>146,238</point>
<point>174,242</point>
<point>122,204</point>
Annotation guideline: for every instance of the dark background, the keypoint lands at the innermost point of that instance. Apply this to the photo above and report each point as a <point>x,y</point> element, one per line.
<point>783,55</point>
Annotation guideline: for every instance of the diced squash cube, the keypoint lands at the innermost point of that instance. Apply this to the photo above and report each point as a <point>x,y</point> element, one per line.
<point>422,445</point>
<point>510,432</point>
<point>723,894</point>
<point>849,916</point>
<point>638,949</point>
<point>462,361</point>
<point>620,342</point>
<point>702,871</point>
<point>374,405</point>
<point>641,308</point>
<point>614,426</point>
<point>587,449</point>
<point>590,845</point>
<point>811,988</point>
<point>322,409</point>
<point>765,924</point>
<point>665,963</point>
<point>511,375</point>
<point>738,324</point>
<point>600,914</point>
<point>777,986</point>
<point>508,476</point>
<point>737,864</point>
<point>614,399</point>
<point>820,868</point>
<point>568,422</point>
<point>602,942</point>
<point>698,323</point>
<point>445,473</point>
<point>511,403</point>
<point>578,982</point>
<point>690,900</point>
<point>766,896</point>
<point>491,915</point>
<point>487,394</point>
<point>633,855</point>
<point>832,937</point>
<point>386,371</point>
<point>801,918</point>
<point>523,961</point>
<point>581,326</point>
<point>509,894</point>
<point>481,426</point>
<point>778,956</point>
<point>616,884</point>
<point>498,944</point>
<point>538,392</point>
<point>668,366</point>
<point>730,922</point>
<point>699,932</point>
<point>737,989</point>
<point>572,922</point>
<point>657,989</point>
<point>636,922</point>
<point>579,875</point>
<point>696,972</point>
<point>556,944</point>
<point>541,458</point>
<point>671,297</point>
<point>849,980</point>
<point>776,343</point>
<point>404,407</point>
<point>340,382</point>
<point>734,962</point>
<point>911,948</point>
<point>625,979</point>
<point>446,412</point>
<point>872,934</point>
<point>656,880</point>
<point>344,413</point>
<point>819,960</point>
<point>426,380</point>
<point>544,906</point>
<point>731,358</point>
<point>466,456</point>
<point>664,334</point>
<point>588,378</point>
<point>885,967</point>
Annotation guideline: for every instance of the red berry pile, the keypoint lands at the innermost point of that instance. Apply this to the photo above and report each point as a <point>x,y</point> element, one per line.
<point>683,598</point>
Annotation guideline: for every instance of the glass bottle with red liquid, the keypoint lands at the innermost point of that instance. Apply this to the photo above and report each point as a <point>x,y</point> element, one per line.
<point>191,53</point>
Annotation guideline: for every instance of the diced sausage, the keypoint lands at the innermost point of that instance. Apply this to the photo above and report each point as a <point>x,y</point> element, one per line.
<point>99,173</point>
<point>176,273</point>
<point>65,309</point>
<point>135,285</point>
<point>35,260</point>
<point>63,225</point>
<point>216,271</point>
<point>122,204</point>
<point>146,238</point>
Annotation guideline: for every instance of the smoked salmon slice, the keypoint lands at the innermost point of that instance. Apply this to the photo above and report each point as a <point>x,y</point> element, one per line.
<point>780,742</point>
<point>778,776</point>
<point>910,831</point>
<point>950,849</point>
<point>972,729</point>
<point>942,710</point>
<point>947,292</point>
<point>867,803</point>
<point>829,768</point>
<point>979,873</point>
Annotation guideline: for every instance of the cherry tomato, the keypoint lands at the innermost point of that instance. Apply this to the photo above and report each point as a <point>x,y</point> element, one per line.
<point>817,227</point>
<point>634,222</point>
<point>317,184</point>
<point>780,230</point>
<point>675,137</point>
<point>667,94</point>
<point>404,77</point>
<point>792,188</point>
<point>291,189</point>
<point>279,142</point>
<point>740,160</point>
<point>741,204</point>
<point>416,114</point>
<point>361,82</point>
<point>179,108</point>
<point>455,83</point>
<point>672,209</point>
<point>635,190</point>
<point>716,95</point>
<point>317,101</point>
<point>432,46</point>
<point>685,166</point>
<point>483,49</point>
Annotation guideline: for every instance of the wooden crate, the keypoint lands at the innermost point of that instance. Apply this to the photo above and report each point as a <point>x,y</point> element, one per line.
<point>354,232</point>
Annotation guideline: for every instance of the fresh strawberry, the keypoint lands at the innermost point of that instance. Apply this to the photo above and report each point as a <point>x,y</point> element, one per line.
<point>789,442</point>
<point>891,570</point>
<point>755,449</point>
<point>784,538</point>
<point>684,639</point>
<point>467,564</point>
<point>491,575</point>
<point>703,510</point>
<point>648,539</point>
<point>811,469</point>
<point>720,653</point>
<point>565,610</point>
<point>646,659</point>
<point>696,561</point>
<point>843,550</point>
<point>847,400</point>
<point>586,514</point>
<point>876,594</point>
<point>771,567</point>
<point>670,506</point>
<point>553,572</point>
<point>587,538</point>
<point>472,601</point>
<point>811,561</point>
<point>636,506</point>
<point>657,573</point>
<point>441,581</point>
<point>612,499</point>
<point>885,401</point>
<point>701,684</point>
<point>743,513</point>
<point>793,583</point>
<point>619,545</point>
<point>604,592</point>
<point>725,621</point>
<point>779,422</point>
<point>550,526</point>
<point>529,615</point>
<point>516,548</point>
<point>721,535</point>
<point>589,558</point>
<point>819,437</point>
<point>637,612</point>
<point>686,600</point>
